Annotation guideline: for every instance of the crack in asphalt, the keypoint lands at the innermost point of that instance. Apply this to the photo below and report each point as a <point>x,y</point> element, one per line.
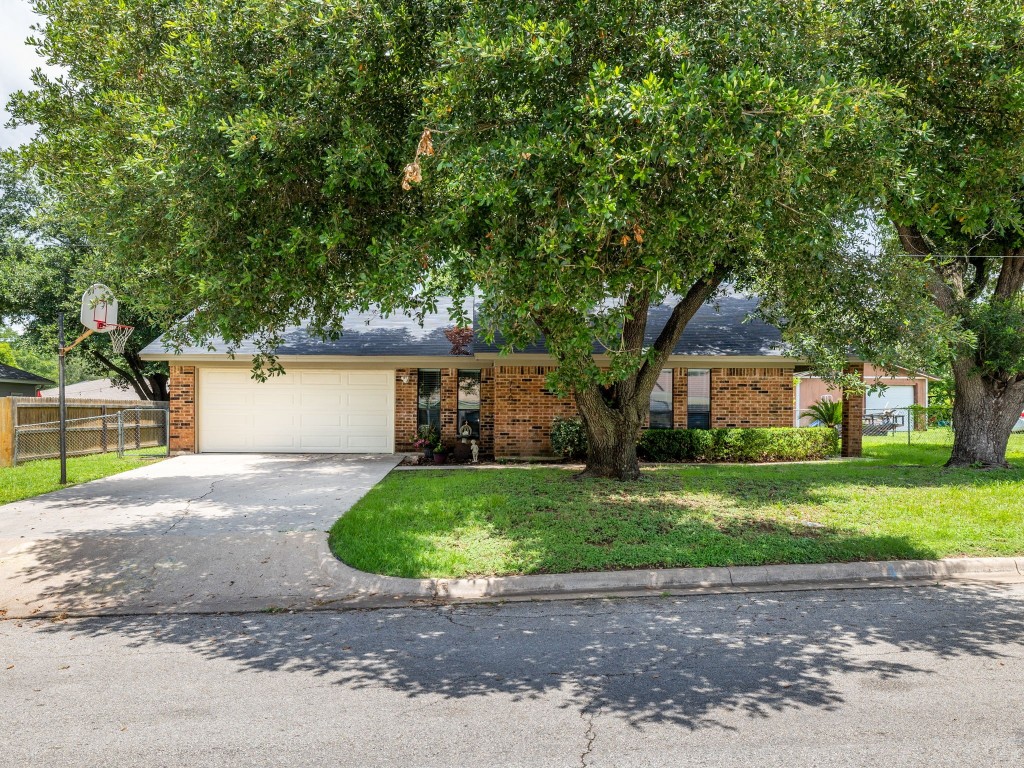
<point>589,735</point>
<point>188,506</point>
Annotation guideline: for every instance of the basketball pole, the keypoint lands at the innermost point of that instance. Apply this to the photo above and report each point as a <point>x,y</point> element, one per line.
<point>62,401</point>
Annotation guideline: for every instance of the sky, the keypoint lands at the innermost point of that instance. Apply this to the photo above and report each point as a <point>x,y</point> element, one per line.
<point>17,61</point>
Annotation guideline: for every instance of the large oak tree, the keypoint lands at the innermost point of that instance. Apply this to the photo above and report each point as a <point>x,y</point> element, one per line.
<point>960,213</point>
<point>572,162</point>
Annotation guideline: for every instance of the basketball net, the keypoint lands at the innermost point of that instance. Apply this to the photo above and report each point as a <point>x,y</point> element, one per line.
<point>119,336</point>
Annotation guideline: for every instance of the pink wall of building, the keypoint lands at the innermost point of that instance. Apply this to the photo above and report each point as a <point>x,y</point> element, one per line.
<point>810,390</point>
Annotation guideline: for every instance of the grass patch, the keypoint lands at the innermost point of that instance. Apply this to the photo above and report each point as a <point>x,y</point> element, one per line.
<point>36,477</point>
<point>896,503</point>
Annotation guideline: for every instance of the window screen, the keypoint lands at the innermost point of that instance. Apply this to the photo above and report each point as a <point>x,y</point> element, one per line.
<point>698,398</point>
<point>428,398</point>
<point>661,401</point>
<point>469,401</point>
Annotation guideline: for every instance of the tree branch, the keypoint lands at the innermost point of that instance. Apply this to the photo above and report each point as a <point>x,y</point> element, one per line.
<point>977,286</point>
<point>916,244</point>
<point>683,312</point>
<point>1011,276</point>
<point>126,375</point>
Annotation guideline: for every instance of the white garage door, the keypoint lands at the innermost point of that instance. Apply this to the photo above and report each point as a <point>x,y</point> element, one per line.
<point>303,411</point>
<point>892,397</point>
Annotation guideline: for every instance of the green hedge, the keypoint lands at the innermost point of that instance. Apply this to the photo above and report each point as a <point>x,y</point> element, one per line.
<point>569,439</point>
<point>758,444</point>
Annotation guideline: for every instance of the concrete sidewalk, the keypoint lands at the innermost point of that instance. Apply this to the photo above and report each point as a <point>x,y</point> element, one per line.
<point>237,533</point>
<point>203,534</point>
<point>358,589</point>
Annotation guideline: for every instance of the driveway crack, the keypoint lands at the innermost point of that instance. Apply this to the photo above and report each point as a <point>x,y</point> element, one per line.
<point>188,506</point>
<point>589,735</point>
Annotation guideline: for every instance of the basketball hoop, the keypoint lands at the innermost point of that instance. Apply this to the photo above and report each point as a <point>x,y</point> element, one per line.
<point>99,315</point>
<point>118,335</point>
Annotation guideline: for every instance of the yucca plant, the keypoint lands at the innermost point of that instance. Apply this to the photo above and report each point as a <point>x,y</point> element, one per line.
<point>827,411</point>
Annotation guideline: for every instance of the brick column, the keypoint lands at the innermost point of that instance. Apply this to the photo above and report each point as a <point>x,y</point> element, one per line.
<point>182,389</point>
<point>449,406</point>
<point>487,411</point>
<point>853,417</point>
<point>679,404</point>
<point>405,408</point>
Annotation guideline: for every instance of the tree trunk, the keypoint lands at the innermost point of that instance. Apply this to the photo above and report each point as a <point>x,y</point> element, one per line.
<point>985,411</point>
<point>158,386</point>
<point>612,431</point>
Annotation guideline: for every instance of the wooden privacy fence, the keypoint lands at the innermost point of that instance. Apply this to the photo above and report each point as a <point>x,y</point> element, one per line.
<point>30,427</point>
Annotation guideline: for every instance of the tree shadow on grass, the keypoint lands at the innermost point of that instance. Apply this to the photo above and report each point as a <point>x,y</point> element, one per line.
<point>543,521</point>
<point>683,661</point>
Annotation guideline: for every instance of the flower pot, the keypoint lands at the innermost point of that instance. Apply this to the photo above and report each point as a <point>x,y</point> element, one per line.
<point>440,458</point>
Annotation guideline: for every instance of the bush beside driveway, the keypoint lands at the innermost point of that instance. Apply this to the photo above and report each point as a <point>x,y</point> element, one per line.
<point>898,503</point>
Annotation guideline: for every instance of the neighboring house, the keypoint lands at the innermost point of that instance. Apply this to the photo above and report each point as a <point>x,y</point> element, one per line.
<point>903,389</point>
<point>97,389</point>
<point>369,390</point>
<point>18,383</point>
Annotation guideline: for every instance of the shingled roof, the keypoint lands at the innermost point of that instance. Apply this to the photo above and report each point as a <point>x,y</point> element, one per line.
<point>9,374</point>
<point>726,327</point>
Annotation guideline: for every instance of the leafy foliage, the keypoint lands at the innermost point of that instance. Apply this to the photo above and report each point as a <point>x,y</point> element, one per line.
<point>569,162</point>
<point>827,411</point>
<point>44,268</point>
<point>569,439</point>
<point>742,445</point>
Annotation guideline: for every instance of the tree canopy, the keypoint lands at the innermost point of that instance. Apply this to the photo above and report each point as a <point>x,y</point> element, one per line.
<point>960,213</point>
<point>44,268</point>
<point>570,162</point>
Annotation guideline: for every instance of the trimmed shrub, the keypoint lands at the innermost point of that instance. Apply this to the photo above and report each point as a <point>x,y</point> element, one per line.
<point>738,445</point>
<point>569,439</point>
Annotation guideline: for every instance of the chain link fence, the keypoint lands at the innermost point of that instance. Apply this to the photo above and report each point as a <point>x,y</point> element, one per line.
<point>914,424</point>
<point>127,430</point>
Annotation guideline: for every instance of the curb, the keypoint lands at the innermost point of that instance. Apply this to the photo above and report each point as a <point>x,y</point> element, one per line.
<point>360,587</point>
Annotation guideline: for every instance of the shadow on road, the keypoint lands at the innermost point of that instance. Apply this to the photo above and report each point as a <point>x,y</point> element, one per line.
<point>684,661</point>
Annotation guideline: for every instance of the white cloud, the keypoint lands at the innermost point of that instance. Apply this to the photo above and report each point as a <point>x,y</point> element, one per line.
<point>17,61</point>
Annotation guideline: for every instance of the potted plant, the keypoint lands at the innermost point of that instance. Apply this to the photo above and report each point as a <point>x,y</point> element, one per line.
<point>440,453</point>
<point>428,438</point>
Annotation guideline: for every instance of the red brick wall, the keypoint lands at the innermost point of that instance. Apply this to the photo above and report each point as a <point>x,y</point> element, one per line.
<point>449,405</point>
<point>487,411</point>
<point>523,411</point>
<point>853,418</point>
<point>751,397</point>
<point>679,381</point>
<point>405,409</point>
<point>516,408</point>
<point>182,389</point>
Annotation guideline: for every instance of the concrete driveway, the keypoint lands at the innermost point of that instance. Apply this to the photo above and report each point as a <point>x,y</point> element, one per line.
<point>193,533</point>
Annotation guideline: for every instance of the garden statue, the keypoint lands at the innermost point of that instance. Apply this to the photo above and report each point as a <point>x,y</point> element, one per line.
<point>476,451</point>
<point>466,431</point>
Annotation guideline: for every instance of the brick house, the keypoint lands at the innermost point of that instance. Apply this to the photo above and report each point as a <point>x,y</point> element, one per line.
<point>370,390</point>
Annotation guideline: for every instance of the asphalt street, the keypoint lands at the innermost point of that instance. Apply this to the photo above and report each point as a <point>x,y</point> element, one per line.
<point>895,677</point>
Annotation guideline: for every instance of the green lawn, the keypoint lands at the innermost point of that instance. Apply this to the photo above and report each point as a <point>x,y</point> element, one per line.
<point>35,477</point>
<point>896,503</point>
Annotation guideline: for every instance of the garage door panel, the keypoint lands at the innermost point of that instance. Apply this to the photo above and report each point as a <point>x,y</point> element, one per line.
<point>376,401</point>
<point>900,396</point>
<point>322,379</point>
<point>320,400</point>
<point>379,380</point>
<point>315,411</point>
<point>318,422</point>
<point>368,444</point>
